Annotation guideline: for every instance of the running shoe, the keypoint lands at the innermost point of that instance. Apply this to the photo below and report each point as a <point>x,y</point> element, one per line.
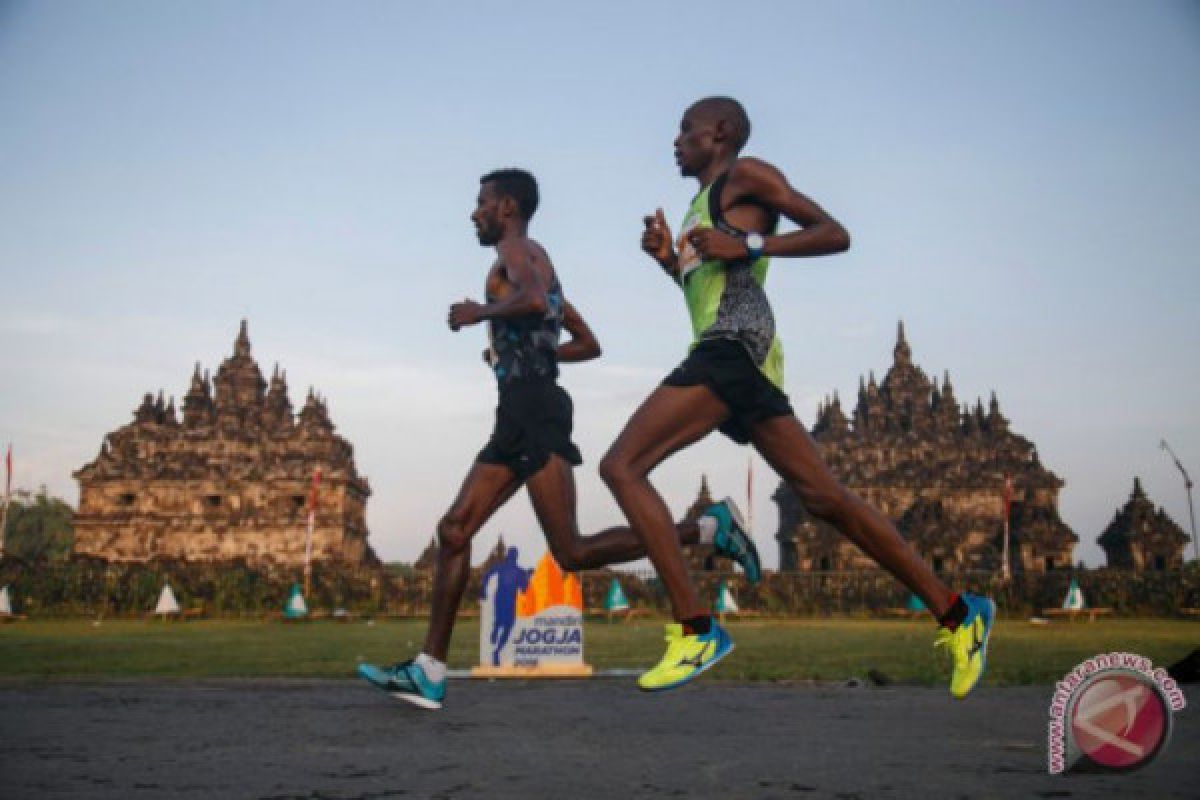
<point>968,644</point>
<point>732,539</point>
<point>406,681</point>
<point>687,656</point>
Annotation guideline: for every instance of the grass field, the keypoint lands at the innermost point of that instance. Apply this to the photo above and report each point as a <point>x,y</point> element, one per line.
<point>771,650</point>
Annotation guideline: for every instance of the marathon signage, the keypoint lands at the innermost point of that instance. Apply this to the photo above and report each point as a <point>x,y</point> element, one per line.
<point>531,621</point>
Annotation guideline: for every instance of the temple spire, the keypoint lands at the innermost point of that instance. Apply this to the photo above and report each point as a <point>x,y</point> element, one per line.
<point>902,352</point>
<point>241,346</point>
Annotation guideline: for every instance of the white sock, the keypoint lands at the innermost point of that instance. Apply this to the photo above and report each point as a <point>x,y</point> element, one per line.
<point>434,670</point>
<point>706,526</point>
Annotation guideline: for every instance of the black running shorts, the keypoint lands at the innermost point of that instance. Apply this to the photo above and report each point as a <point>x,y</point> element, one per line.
<point>725,366</point>
<point>533,420</point>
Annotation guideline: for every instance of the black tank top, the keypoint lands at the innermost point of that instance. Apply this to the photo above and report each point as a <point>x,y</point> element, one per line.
<point>527,346</point>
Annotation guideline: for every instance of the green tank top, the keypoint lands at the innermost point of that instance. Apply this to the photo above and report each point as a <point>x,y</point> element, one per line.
<point>727,300</point>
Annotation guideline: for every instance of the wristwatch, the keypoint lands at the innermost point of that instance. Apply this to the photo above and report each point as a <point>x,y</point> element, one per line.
<point>755,242</point>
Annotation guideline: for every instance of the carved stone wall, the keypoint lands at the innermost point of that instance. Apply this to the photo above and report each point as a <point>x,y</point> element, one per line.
<point>937,471</point>
<point>230,480</point>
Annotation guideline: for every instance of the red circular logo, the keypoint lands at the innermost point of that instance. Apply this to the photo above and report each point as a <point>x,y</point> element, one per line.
<point>1119,720</point>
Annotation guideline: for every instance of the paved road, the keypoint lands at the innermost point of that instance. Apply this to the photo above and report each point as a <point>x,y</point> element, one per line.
<point>339,739</point>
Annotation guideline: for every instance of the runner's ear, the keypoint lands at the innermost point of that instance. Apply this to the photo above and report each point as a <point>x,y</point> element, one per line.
<point>508,206</point>
<point>721,131</point>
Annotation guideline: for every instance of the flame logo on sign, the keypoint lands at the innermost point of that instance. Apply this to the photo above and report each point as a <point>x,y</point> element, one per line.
<point>549,586</point>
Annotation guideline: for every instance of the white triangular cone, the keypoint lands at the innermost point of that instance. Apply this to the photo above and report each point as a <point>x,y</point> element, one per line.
<point>5,603</point>
<point>1074,599</point>
<point>296,607</point>
<point>167,604</point>
<point>725,602</point>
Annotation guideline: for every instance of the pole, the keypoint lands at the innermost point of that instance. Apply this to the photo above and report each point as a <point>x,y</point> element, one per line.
<point>7,497</point>
<point>3,525</point>
<point>1187,483</point>
<point>308,533</point>
<point>1005,572</point>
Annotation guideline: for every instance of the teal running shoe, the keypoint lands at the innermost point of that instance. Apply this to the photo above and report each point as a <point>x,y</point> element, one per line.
<point>732,539</point>
<point>968,644</point>
<point>405,681</point>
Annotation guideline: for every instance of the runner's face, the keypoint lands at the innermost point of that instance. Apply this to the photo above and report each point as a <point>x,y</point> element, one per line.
<point>486,215</point>
<point>694,145</point>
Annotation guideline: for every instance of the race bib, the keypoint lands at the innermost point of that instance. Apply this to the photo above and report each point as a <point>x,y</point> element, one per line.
<point>689,259</point>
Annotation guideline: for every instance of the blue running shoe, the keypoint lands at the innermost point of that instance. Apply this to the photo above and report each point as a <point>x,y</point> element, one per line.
<point>405,681</point>
<point>968,644</point>
<point>732,539</point>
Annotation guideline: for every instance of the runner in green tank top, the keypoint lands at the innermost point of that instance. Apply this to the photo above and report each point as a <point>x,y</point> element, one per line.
<point>728,301</point>
<point>732,380</point>
<point>530,445</point>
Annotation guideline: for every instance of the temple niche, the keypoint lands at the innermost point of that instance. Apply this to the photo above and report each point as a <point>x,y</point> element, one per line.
<point>1142,538</point>
<point>228,480</point>
<point>937,471</point>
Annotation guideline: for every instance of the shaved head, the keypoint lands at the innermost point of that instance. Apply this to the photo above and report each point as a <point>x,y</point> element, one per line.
<point>729,111</point>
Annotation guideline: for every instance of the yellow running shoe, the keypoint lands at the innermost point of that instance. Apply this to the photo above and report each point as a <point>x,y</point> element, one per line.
<point>686,657</point>
<point>968,644</point>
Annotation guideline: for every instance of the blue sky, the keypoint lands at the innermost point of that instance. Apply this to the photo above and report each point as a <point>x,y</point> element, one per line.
<point>1019,179</point>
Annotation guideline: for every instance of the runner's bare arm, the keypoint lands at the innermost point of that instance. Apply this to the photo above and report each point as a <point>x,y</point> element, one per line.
<point>528,295</point>
<point>656,242</point>
<point>582,346</point>
<point>752,180</point>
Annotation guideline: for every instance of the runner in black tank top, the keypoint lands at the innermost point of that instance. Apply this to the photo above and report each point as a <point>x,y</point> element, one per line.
<point>531,441</point>
<point>527,347</point>
<point>533,415</point>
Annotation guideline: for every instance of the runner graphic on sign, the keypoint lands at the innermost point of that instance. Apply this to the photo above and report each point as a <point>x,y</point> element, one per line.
<point>510,580</point>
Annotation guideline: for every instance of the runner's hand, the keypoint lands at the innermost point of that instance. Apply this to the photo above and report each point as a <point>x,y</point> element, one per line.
<point>468,312</point>
<point>656,240</point>
<point>711,243</point>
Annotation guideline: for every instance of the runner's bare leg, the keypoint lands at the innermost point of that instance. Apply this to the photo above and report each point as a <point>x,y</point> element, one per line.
<point>785,445</point>
<point>485,489</point>
<point>671,418</point>
<point>552,493</point>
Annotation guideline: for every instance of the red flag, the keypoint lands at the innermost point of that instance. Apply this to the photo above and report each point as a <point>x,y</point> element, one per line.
<point>312,493</point>
<point>8,472</point>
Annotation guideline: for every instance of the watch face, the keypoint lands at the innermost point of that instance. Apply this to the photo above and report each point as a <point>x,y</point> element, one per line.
<point>754,241</point>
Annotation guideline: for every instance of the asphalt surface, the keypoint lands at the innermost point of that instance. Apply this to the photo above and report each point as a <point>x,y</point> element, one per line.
<point>599,738</point>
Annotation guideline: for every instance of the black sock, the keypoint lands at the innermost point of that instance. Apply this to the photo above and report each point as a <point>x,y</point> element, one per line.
<point>955,616</point>
<point>697,625</point>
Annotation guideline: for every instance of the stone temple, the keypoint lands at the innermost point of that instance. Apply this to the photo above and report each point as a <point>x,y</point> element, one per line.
<point>937,471</point>
<point>228,481</point>
<point>1141,537</point>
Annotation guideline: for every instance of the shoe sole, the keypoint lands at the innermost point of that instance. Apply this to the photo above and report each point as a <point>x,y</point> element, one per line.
<point>420,701</point>
<point>693,675</point>
<point>736,513</point>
